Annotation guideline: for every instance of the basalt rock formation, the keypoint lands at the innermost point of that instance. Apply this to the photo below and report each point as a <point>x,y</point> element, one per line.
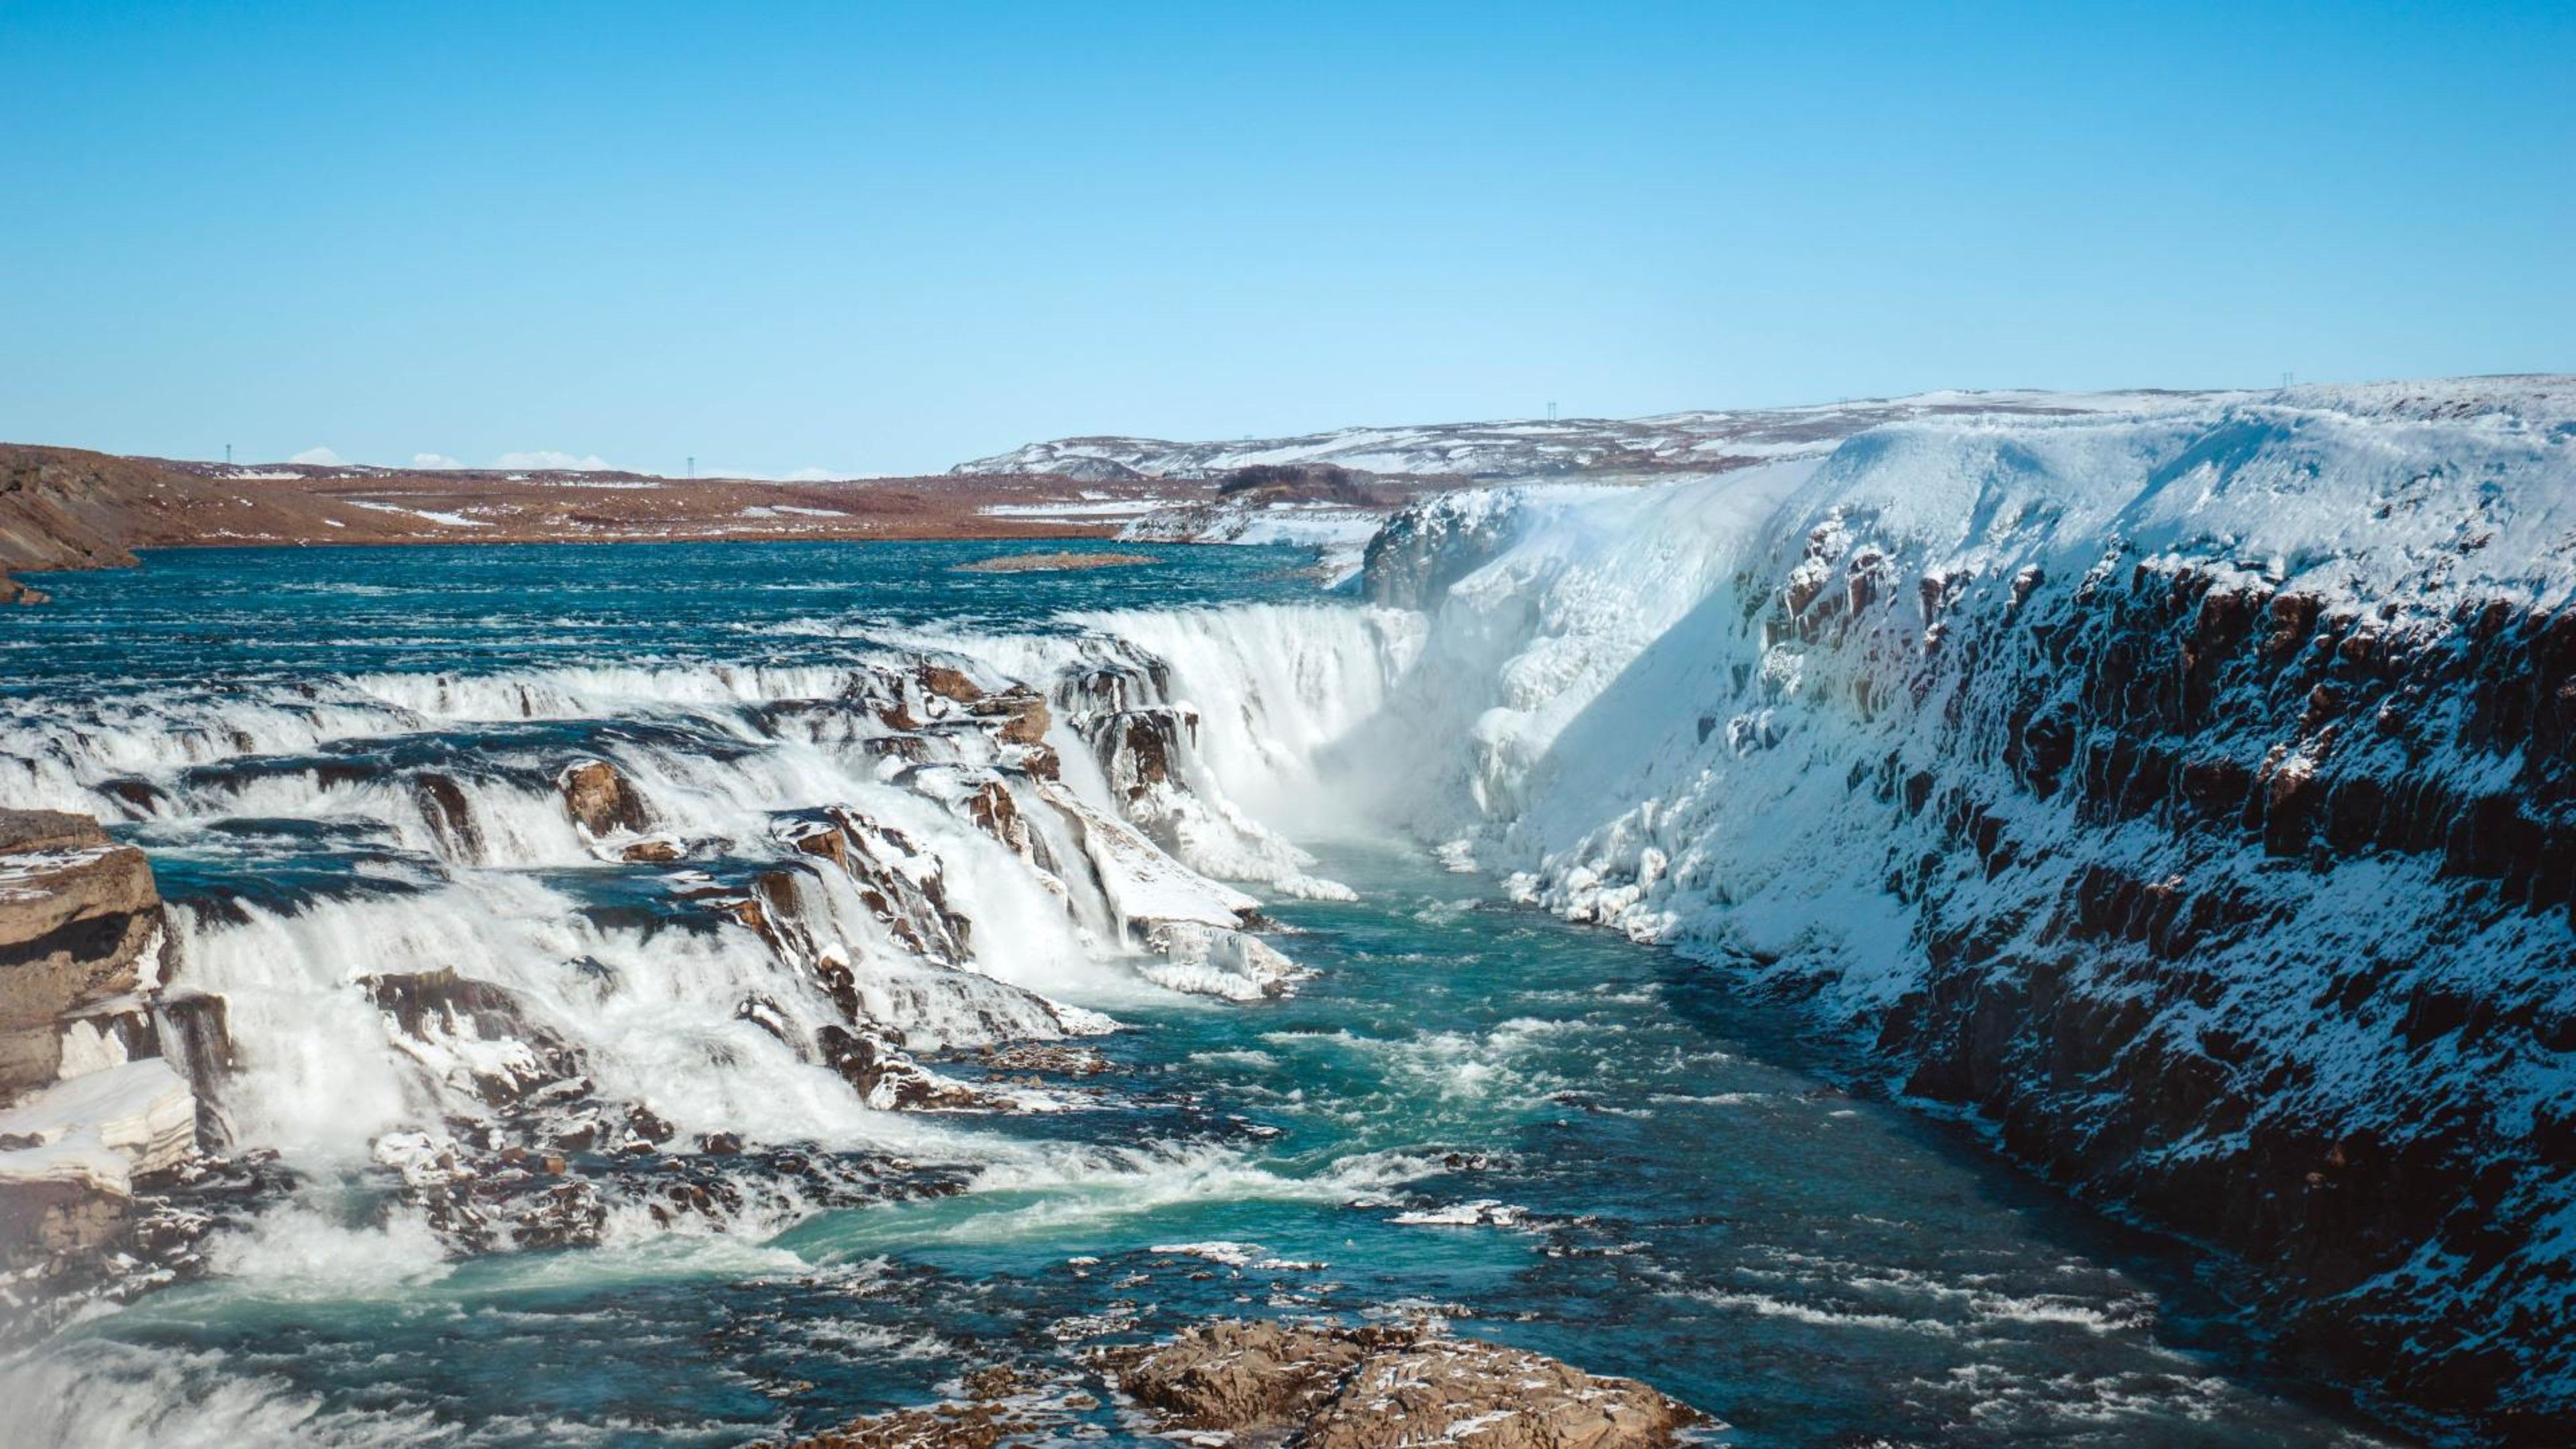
<point>2269,742</point>
<point>600,800</point>
<point>1411,562</point>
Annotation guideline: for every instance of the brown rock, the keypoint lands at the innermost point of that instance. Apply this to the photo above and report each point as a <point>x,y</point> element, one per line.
<point>948,683</point>
<point>601,800</point>
<point>946,1426</point>
<point>993,810</point>
<point>827,842</point>
<point>22,831</point>
<point>1375,1388</point>
<point>76,919</point>
<point>1023,714</point>
<point>1466,1392</point>
<point>46,1220</point>
<point>888,1078</point>
<point>443,805</point>
<point>1236,1377</point>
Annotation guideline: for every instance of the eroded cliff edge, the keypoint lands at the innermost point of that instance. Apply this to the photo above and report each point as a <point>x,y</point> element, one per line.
<point>2194,799</point>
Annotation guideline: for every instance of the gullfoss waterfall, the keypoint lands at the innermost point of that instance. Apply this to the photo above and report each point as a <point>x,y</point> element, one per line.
<point>677,1015</point>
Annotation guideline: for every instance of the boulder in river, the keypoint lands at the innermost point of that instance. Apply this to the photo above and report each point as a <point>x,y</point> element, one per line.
<point>1375,1388</point>
<point>601,800</point>
<point>1318,1386</point>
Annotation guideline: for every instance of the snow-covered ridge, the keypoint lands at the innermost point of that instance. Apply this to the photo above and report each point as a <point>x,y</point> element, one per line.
<point>2189,792</point>
<point>1686,441</point>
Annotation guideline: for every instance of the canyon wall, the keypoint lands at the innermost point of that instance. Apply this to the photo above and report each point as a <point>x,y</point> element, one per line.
<point>2193,798</point>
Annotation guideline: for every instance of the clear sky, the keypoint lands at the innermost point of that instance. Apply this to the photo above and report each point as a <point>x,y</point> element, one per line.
<point>882,238</point>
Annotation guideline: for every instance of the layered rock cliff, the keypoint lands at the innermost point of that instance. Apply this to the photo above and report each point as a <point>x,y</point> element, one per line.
<point>101,1062</point>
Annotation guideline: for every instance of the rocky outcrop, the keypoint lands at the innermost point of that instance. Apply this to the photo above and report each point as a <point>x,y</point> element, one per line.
<point>1435,542</point>
<point>1022,712</point>
<point>475,1038</point>
<point>900,880</point>
<point>1122,705</point>
<point>449,815</point>
<point>93,1110</point>
<point>874,1062</point>
<point>1318,1385</point>
<point>60,509</point>
<point>602,800</point>
<point>1376,1388</point>
<point>80,923</point>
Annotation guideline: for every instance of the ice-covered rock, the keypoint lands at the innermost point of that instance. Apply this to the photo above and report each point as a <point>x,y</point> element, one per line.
<point>1218,961</point>
<point>101,1130</point>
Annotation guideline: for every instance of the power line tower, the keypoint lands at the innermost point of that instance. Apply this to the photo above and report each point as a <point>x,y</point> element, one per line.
<point>228,455</point>
<point>1551,412</point>
<point>693,465</point>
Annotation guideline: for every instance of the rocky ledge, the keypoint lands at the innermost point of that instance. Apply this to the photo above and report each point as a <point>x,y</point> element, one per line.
<point>1261,1384</point>
<point>103,1068</point>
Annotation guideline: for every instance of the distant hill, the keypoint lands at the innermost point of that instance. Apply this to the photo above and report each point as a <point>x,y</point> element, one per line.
<point>63,508</point>
<point>1693,442</point>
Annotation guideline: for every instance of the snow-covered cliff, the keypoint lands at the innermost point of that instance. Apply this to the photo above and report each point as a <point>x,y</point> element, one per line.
<point>2192,795</point>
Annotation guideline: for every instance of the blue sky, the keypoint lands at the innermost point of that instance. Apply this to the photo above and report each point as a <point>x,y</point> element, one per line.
<point>887,238</point>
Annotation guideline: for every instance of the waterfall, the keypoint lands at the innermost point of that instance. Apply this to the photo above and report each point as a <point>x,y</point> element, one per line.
<point>581,905</point>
